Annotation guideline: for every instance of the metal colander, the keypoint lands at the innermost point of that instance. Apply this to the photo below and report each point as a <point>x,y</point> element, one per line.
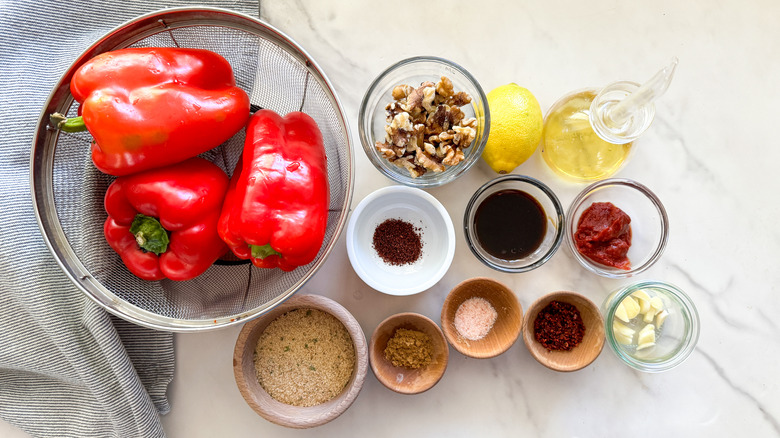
<point>68,190</point>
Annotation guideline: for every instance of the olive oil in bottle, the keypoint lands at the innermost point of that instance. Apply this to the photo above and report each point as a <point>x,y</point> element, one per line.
<point>572,148</point>
<point>589,134</point>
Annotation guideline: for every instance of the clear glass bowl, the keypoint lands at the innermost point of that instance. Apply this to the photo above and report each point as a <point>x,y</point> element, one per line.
<point>372,118</point>
<point>649,224</point>
<point>675,339</point>
<point>553,212</point>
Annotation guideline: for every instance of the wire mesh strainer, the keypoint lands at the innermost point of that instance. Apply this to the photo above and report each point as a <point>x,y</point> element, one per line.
<point>68,190</point>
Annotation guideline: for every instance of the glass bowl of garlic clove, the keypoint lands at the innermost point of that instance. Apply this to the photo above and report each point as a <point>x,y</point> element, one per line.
<point>651,326</point>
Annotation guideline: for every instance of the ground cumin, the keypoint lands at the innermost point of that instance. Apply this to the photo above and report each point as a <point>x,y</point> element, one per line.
<point>409,348</point>
<point>304,357</point>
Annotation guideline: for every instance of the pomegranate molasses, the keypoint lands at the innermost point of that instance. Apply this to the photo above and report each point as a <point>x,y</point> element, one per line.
<point>510,224</point>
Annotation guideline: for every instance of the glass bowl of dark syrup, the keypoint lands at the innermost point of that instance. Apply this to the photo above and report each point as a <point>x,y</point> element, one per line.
<point>514,223</point>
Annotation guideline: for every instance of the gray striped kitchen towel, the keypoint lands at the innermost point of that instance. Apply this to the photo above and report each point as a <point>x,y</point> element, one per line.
<point>67,368</point>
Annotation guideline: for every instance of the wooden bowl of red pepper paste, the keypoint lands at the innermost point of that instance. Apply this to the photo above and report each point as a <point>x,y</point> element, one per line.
<point>564,331</point>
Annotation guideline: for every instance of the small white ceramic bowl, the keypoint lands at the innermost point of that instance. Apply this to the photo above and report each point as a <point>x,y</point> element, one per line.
<point>416,207</point>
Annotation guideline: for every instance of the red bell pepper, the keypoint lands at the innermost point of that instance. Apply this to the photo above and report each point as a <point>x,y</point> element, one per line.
<point>163,222</point>
<point>150,107</point>
<point>276,209</point>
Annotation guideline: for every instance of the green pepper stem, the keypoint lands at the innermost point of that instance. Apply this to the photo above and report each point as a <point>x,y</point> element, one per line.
<point>149,234</point>
<point>261,252</point>
<point>73,124</point>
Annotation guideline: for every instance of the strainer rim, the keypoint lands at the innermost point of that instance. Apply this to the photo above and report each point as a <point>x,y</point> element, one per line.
<point>41,181</point>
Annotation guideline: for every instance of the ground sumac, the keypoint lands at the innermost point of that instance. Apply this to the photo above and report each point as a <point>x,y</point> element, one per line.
<point>397,242</point>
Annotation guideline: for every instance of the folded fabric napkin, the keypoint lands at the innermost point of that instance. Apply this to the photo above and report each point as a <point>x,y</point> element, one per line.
<point>67,368</point>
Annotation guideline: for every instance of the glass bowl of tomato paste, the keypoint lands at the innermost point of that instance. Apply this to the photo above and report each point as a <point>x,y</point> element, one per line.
<point>617,228</point>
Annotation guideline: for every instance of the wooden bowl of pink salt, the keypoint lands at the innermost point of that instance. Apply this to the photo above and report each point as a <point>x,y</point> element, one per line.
<point>481,318</point>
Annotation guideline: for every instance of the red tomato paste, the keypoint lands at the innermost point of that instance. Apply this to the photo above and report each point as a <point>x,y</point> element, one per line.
<point>604,235</point>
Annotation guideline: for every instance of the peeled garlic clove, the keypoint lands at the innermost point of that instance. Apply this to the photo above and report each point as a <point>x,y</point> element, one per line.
<point>647,334</point>
<point>650,315</point>
<point>624,340</point>
<point>620,313</point>
<point>657,303</point>
<point>631,306</point>
<point>646,337</point>
<point>643,346</point>
<point>660,318</point>
<point>644,300</point>
<point>623,334</point>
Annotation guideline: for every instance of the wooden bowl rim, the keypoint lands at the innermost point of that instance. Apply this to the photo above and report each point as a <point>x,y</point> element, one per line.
<point>471,348</point>
<point>375,354</point>
<point>298,417</point>
<point>596,328</point>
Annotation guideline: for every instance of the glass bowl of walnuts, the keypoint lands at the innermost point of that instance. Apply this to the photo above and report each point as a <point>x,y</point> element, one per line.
<point>424,121</point>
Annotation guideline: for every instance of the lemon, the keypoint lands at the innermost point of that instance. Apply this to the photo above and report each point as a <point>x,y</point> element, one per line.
<point>515,127</point>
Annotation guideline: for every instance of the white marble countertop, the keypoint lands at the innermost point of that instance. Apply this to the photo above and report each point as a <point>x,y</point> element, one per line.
<point>710,156</point>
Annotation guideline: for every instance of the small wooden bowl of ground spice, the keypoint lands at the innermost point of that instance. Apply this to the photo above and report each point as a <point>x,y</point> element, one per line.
<point>481,318</point>
<point>564,331</point>
<point>408,353</point>
<point>303,363</point>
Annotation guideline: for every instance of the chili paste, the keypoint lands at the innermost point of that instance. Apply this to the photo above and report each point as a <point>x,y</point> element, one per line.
<point>604,235</point>
<point>559,326</point>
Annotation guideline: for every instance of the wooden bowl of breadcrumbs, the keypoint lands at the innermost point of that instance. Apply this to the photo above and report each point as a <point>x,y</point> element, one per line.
<point>303,363</point>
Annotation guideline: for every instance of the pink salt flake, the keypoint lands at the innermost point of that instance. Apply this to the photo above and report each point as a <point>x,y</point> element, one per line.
<point>474,318</point>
